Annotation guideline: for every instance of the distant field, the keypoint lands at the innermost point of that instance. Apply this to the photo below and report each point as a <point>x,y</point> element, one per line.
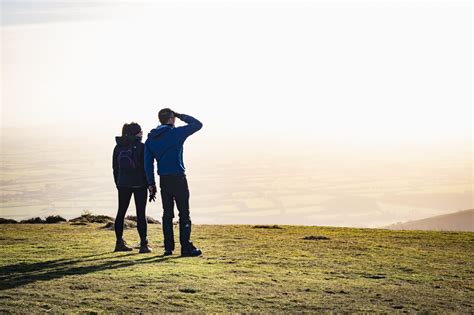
<point>314,184</point>
<point>62,268</point>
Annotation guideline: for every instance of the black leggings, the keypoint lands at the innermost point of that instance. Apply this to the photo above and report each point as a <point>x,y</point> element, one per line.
<point>124,196</point>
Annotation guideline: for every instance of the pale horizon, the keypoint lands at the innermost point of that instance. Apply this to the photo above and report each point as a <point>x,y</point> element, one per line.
<point>315,113</point>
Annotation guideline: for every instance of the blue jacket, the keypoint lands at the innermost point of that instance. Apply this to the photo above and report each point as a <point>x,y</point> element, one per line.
<point>165,145</point>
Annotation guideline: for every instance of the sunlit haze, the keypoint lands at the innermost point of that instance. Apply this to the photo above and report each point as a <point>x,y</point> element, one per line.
<point>321,113</point>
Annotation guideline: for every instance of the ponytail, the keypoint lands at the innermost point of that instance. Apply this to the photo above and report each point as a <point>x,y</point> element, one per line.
<point>124,130</point>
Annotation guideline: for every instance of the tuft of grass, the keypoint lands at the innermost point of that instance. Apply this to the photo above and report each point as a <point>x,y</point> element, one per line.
<point>65,268</point>
<point>55,219</point>
<point>36,220</point>
<point>7,221</point>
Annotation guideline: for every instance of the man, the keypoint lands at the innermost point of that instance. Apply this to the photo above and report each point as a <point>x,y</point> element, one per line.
<point>165,144</point>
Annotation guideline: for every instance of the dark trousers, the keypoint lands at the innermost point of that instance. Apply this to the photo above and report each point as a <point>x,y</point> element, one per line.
<point>124,196</point>
<point>175,188</point>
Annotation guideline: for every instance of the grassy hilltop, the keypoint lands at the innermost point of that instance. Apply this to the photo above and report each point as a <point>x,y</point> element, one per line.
<point>62,267</point>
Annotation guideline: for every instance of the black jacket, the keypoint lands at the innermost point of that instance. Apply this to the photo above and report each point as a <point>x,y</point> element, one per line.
<point>132,177</point>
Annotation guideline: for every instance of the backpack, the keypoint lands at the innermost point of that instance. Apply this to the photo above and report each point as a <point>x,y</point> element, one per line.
<point>126,158</point>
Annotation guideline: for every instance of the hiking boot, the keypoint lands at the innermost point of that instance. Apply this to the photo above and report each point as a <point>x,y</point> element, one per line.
<point>190,251</point>
<point>121,246</point>
<point>145,249</point>
<point>168,253</point>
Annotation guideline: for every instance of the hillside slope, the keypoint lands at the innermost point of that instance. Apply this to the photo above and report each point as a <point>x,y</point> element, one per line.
<point>458,221</point>
<point>63,268</point>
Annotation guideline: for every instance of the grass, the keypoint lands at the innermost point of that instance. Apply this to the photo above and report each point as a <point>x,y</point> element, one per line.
<point>62,267</point>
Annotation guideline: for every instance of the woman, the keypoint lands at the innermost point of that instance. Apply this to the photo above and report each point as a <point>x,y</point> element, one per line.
<point>129,176</point>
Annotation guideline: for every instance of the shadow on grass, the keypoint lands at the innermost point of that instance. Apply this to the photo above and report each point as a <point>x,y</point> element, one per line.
<point>17,275</point>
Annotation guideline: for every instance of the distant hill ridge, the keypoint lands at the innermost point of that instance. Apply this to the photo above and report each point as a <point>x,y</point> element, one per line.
<point>457,221</point>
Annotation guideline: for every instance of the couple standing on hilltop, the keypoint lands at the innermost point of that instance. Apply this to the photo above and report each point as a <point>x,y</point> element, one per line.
<point>133,165</point>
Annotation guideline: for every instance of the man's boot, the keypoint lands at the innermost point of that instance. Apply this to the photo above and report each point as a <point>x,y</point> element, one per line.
<point>187,247</point>
<point>190,251</point>
<point>168,234</point>
<point>184,232</point>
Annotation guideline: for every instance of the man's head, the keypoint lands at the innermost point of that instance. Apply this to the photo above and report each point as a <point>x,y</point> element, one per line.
<point>166,116</point>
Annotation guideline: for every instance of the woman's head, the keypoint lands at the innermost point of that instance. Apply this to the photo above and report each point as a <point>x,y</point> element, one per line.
<point>132,129</point>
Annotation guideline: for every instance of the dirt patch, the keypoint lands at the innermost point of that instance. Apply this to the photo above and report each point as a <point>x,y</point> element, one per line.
<point>316,238</point>
<point>90,218</point>
<point>127,224</point>
<point>376,276</point>
<point>149,220</point>
<point>78,223</point>
<point>267,227</point>
<point>188,290</point>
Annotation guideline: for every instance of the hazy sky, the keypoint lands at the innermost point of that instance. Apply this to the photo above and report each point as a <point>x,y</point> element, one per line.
<point>315,112</point>
<point>337,70</point>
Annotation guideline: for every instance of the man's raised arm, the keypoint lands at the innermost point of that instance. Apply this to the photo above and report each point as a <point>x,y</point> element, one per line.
<point>192,126</point>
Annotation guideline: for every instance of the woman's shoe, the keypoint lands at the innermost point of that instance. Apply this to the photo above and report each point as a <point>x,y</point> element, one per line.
<point>145,249</point>
<point>121,246</point>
